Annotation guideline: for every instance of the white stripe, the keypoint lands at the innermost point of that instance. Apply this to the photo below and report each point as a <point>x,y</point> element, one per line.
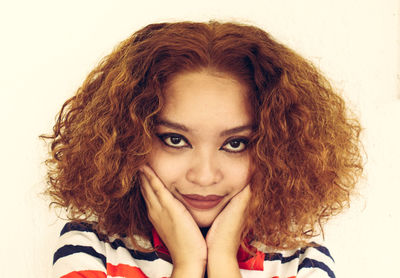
<point>76,262</point>
<point>156,268</point>
<point>82,238</point>
<point>312,273</point>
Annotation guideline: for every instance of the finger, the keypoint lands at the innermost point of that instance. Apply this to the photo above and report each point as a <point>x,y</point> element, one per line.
<point>245,194</point>
<point>157,186</point>
<point>243,197</point>
<point>148,194</point>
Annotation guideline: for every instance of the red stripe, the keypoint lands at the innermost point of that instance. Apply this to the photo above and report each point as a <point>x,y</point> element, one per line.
<point>85,274</point>
<point>124,270</point>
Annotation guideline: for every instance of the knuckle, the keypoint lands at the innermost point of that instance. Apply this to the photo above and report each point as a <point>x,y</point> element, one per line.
<point>157,191</point>
<point>153,216</point>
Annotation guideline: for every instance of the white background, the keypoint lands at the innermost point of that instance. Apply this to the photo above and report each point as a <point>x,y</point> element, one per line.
<point>48,47</point>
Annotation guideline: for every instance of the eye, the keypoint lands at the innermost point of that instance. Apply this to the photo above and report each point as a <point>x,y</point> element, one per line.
<point>174,140</point>
<point>235,145</point>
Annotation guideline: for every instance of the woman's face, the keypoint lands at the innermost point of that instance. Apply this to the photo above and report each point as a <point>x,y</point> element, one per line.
<point>200,148</point>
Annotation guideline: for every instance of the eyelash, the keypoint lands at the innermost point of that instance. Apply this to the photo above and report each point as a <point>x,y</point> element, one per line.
<point>165,136</point>
<point>241,140</point>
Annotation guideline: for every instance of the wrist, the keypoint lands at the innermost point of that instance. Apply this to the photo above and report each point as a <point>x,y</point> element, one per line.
<point>188,269</point>
<point>229,263</point>
<point>218,258</point>
<point>223,251</point>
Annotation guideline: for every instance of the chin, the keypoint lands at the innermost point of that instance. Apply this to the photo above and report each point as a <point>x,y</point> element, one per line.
<point>204,224</point>
<point>203,221</point>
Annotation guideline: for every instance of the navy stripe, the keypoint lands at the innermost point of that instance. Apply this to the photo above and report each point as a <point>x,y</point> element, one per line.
<point>67,250</point>
<point>134,253</point>
<point>309,263</point>
<point>85,227</point>
<point>280,257</point>
<point>296,255</point>
<point>324,251</point>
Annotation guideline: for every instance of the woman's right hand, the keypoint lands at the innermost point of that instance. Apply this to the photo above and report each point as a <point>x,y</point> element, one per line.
<point>175,226</point>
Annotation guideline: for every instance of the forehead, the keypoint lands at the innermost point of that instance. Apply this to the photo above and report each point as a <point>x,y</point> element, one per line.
<point>204,96</point>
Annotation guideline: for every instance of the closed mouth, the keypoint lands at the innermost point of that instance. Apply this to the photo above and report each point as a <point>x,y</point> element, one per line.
<point>203,198</point>
<point>202,202</point>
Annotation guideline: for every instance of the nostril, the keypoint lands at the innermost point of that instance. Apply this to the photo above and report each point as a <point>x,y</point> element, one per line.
<point>202,177</point>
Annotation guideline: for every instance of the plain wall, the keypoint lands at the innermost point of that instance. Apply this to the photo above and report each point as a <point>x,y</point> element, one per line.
<point>48,48</point>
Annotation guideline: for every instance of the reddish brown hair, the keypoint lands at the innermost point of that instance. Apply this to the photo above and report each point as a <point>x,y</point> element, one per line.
<point>305,147</point>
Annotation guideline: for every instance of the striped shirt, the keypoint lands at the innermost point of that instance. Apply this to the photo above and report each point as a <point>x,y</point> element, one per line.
<point>83,253</point>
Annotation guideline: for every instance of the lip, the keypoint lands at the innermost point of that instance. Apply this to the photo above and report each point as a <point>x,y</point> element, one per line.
<point>202,202</point>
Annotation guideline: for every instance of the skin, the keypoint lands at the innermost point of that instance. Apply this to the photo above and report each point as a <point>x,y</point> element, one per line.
<point>200,148</point>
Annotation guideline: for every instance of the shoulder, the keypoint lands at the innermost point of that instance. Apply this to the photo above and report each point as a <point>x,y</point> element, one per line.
<point>314,261</point>
<point>79,249</point>
<point>83,252</point>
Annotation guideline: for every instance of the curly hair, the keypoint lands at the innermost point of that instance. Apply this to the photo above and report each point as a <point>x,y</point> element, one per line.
<point>305,147</point>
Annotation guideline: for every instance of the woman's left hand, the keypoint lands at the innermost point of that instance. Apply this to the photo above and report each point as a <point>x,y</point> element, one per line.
<point>223,238</point>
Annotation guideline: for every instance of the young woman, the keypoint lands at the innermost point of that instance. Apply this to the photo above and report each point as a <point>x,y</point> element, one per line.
<point>200,149</point>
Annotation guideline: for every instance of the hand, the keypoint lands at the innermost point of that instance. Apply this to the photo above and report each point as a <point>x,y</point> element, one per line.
<point>175,225</point>
<point>223,238</point>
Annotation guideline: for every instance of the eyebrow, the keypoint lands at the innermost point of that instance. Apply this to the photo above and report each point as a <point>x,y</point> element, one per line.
<point>182,127</point>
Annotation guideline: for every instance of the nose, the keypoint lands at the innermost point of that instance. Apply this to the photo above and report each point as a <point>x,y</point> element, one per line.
<point>204,169</point>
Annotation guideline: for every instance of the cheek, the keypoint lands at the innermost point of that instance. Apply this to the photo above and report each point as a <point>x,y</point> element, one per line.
<point>169,168</point>
<point>238,172</point>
